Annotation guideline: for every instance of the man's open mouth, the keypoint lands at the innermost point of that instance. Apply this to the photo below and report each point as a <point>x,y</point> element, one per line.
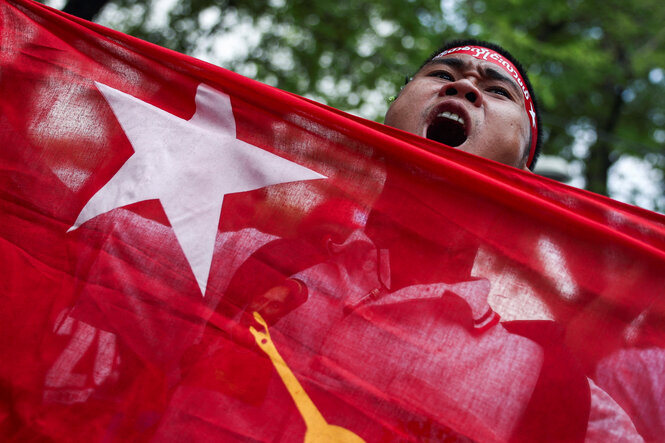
<point>447,128</point>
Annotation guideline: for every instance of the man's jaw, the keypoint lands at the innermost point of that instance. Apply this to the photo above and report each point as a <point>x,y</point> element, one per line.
<point>448,123</point>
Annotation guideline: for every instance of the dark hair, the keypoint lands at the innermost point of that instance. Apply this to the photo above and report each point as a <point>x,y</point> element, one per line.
<point>522,71</point>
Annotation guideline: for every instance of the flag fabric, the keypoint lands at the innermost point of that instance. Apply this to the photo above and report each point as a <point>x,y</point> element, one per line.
<point>190,255</point>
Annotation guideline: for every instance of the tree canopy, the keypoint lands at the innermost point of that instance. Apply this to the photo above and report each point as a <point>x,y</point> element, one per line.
<point>598,66</point>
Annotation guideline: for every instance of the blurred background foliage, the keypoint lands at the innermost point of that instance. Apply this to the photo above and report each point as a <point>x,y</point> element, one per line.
<point>598,66</point>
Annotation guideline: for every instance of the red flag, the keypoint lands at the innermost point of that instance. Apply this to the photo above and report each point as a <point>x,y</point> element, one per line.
<point>188,254</point>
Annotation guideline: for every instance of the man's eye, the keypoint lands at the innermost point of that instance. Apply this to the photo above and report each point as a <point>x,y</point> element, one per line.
<point>500,91</point>
<point>442,75</point>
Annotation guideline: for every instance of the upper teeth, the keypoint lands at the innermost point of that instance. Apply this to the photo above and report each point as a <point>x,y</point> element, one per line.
<point>452,116</point>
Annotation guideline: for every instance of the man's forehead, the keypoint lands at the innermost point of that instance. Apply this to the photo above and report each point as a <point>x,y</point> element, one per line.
<point>454,60</point>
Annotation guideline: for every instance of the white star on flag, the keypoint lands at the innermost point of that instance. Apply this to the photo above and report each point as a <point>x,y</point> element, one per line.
<point>189,165</point>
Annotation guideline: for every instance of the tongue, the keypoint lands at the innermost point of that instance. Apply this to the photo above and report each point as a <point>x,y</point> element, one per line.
<point>446,131</point>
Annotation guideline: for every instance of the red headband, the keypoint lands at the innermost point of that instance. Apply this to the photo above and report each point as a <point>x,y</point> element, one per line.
<point>496,58</point>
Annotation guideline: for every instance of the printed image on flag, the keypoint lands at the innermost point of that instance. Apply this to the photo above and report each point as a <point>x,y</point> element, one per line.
<point>190,255</point>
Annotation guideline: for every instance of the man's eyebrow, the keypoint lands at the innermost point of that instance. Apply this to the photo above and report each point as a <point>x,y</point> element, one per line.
<point>448,61</point>
<point>495,74</point>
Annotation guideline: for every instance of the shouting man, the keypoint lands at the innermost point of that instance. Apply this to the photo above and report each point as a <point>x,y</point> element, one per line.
<point>473,96</point>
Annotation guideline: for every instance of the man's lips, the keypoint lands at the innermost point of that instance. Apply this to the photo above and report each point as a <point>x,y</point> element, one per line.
<point>449,124</point>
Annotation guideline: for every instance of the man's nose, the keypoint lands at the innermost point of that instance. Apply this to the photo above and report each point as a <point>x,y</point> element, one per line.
<point>464,88</point>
